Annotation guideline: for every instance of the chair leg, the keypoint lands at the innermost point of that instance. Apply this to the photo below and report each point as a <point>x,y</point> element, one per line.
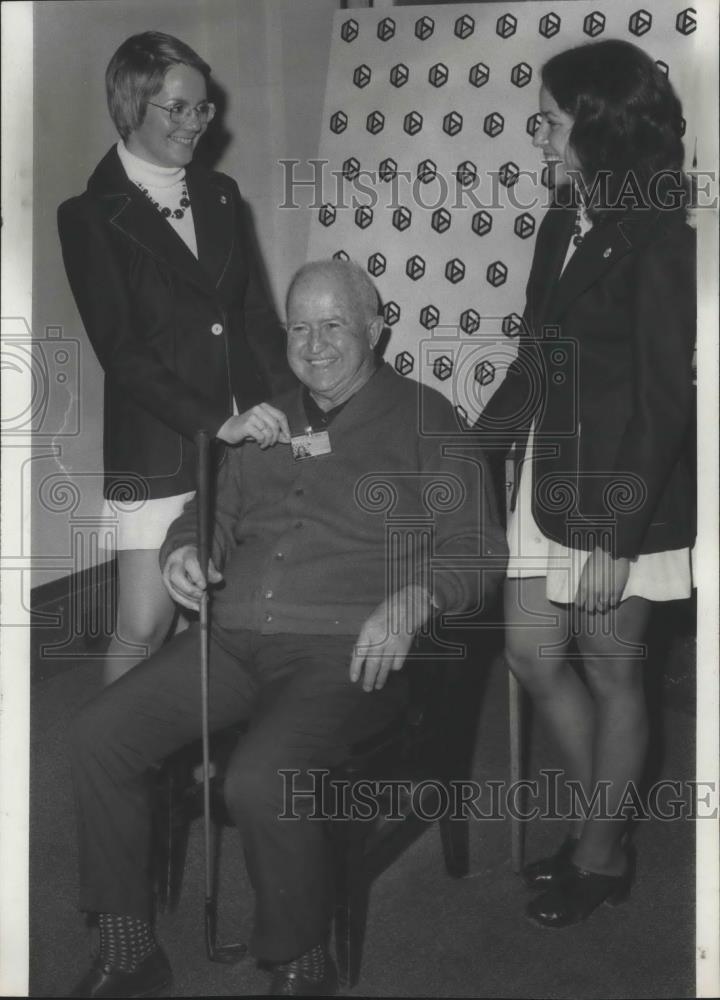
<point>171,834</point>
<point>351,899</point>
<point>455,837</point>
<point>517,828</point>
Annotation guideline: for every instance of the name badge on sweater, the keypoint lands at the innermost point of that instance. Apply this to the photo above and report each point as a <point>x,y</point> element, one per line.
<point>310,444</point>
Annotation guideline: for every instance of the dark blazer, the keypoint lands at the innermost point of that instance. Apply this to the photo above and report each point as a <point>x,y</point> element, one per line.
<point>604,370</point>
<point>176,336</point>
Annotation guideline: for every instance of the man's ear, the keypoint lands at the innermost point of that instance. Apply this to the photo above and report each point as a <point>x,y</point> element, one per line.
<point>375,328</point>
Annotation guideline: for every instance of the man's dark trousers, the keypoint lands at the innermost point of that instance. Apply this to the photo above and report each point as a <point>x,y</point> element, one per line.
<point>302,712</point>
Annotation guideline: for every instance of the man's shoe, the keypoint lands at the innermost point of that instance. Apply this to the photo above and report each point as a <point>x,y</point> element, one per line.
<point>290,981</point>
<point>545,872</point>
<point>151,978</point>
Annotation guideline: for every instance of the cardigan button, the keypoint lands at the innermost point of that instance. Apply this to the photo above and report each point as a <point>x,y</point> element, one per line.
<point>217,329</point>
<point>268,618</point>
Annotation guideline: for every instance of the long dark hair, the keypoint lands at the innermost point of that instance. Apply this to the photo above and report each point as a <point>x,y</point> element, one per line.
<point>628,125</point>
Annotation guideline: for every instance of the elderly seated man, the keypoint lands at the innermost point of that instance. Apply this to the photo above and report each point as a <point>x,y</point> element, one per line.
<point>312,620</point>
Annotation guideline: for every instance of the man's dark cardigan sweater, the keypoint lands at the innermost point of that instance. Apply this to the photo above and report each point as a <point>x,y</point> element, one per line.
<point>314,546</point>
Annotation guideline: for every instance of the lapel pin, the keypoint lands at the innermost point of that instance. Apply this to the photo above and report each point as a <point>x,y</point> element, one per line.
<point>223,199</point>
<point>607,251</point>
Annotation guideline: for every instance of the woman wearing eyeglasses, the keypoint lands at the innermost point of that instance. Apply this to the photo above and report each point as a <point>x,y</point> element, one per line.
<point>161,264</point>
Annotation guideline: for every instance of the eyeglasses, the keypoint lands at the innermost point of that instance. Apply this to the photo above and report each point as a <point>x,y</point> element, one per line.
<point>181,113</point>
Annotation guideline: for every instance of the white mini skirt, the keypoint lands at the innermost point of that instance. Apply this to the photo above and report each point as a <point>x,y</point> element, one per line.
<point>658,576</point>
<point>140,524</point>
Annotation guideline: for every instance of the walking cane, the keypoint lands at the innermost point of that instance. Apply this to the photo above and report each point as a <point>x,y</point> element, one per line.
<point>226,953</point>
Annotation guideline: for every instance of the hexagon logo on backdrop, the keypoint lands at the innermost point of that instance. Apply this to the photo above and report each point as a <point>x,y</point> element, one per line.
<point>399,75</point>
<point>338,122</point>
<point>594,24</point>
<point>549,25</point>
<point>401,218</point>
<point>524,226</point>
<point>686,21</point>
<point>426,171</point>
<point>424,27</point>
<point>375,122</point>
<point>386,29</point>
<point>663,67</point>
<point>452,123</point>
<point>508,173</point>
<point>429,317</point>
<point>521,75</point>
<point>466,173</point>
<point>470,321</point>
<point>442,367</point>
<point>464,26</point>
<point>351,168</point>
<point>640,22</point>
<point>327,214</point>
<point>493,124</point>
<point>497,273</point>
<point>415,267</point>
<point>454,270</point>
<point>482,222</point>
<point>440,220</point>
<point>484,372</point>
<point>349,30</point>
<point>387,170</point>
<point>438,74</point>
<point>404,363</point>
<point>479,74</point>
<point>363,216</point>
<point>533,123</point>
<point>361,76</point>
<point>391,313</point>
<point>506,25</point>
<point>512,325</point>
<point>412,122</point>
<point>341,255</point>
<point>376,264</point>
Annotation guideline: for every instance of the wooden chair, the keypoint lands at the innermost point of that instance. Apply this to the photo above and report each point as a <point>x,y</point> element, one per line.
<point>432,739</point>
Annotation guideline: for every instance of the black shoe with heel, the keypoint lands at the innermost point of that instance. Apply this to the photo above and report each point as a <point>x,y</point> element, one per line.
<point>574,896</point>
<point>545,872</point>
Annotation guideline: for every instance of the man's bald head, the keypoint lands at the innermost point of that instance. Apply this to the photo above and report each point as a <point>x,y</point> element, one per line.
<point>349,276</point>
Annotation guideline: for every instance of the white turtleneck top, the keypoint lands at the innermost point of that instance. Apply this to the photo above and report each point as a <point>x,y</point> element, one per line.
<point>165,186</point>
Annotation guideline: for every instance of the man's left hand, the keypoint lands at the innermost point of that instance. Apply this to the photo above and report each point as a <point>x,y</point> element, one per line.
<point>387,635</point>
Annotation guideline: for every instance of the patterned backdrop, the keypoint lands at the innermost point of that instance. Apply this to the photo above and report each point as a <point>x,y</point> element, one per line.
<point>430,179</point>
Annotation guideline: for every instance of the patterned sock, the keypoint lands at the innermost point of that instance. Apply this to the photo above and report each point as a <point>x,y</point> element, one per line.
<point>312,963</point>
<point>125,942</point>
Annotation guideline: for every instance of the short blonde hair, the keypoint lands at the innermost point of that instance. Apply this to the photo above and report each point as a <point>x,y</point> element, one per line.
<point>136,73</point>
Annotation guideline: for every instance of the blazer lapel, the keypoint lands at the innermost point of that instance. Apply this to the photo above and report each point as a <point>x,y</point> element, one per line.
<point>549,258</point>
<point>213,216</point>
<point>604,245</point>
<point>130,211</point>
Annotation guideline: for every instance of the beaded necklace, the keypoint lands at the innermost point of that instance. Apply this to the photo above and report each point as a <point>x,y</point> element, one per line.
<point>175,213</point>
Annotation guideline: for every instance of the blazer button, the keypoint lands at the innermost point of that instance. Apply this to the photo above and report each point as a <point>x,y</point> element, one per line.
<point>217,329</point>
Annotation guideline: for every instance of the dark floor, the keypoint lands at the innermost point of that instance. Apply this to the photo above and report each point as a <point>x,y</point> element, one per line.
<point>428,935</point>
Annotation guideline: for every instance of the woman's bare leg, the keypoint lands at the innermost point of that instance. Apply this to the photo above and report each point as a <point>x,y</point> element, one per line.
<point>537,636</point>
<point>145,612</point>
